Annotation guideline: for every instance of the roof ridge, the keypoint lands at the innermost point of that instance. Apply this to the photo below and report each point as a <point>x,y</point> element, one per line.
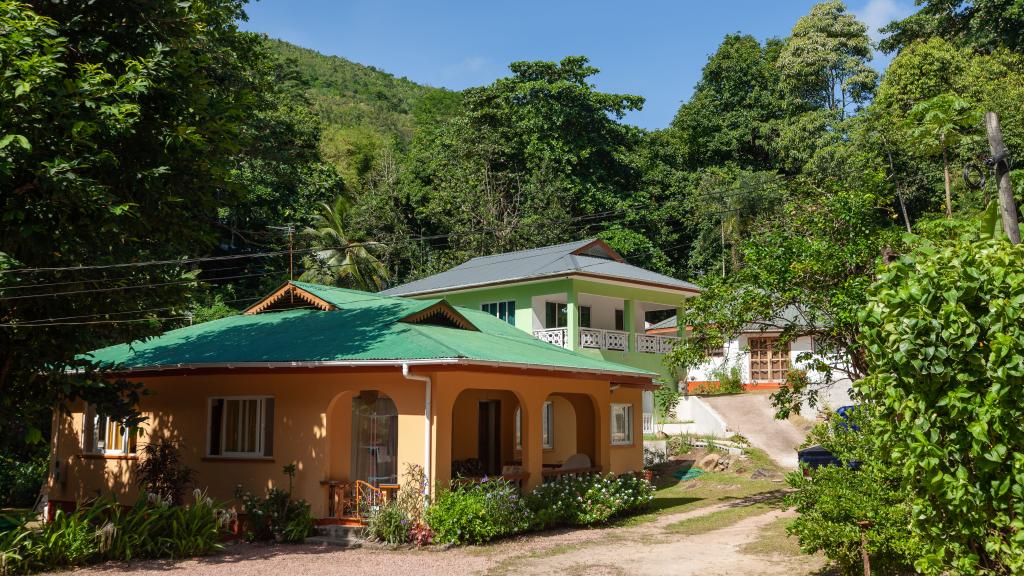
<point>475,258</point>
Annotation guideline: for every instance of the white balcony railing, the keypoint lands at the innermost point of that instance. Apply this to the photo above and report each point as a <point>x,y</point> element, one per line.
<point>608,340</point>
<point>556,336</point>
<point>655,344</point>
<point>603,339</point>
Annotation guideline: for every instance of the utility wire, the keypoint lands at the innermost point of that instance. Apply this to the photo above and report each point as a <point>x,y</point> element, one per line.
<point>59,321</point>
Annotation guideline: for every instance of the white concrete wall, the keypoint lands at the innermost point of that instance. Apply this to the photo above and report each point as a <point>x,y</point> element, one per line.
<point>736,353</point>
<point>703,419</point>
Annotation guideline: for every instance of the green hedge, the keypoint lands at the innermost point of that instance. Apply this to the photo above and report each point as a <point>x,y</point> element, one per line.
<point>482,511</point>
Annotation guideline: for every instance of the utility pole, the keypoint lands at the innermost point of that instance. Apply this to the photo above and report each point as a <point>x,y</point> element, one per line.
<point>289,229</point>
<point>1000,158</point>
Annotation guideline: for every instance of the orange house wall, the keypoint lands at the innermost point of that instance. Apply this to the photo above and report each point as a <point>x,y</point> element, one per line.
<point>312,427</point>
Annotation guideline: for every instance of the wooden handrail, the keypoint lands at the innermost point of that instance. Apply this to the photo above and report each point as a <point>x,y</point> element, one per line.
<point>368,496</point>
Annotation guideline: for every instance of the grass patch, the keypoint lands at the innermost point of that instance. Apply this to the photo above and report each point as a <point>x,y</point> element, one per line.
<point>710,489</point>
<point>774,541</point>
<point>716,520</point>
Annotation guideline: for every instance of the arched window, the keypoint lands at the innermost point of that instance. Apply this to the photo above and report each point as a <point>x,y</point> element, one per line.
<point>374,438</point>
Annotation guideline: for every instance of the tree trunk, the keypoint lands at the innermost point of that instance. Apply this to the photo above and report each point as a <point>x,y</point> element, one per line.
<point>1007,205</point>
<point>949,194</point>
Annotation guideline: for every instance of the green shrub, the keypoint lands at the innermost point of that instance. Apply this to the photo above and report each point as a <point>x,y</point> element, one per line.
<point>161,471</point>
<point>678,445</point>
<point>20,480</point>
<point>269,517</point>
<point>275,516</point>
<point>104,530</point>
<point>388,524</point>
<point>832,502</point>
<point>730,381</point>
<point>401,519</point>
<point>944,346</point>
<point>584,500</point>
<point>477,512</point>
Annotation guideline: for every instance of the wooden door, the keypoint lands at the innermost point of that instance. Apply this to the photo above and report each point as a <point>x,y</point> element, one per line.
<point>768,361</point>
<point>489,436</point>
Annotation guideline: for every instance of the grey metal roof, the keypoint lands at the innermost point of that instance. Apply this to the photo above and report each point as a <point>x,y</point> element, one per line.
<point>788,315</point>
<point>591,257</point>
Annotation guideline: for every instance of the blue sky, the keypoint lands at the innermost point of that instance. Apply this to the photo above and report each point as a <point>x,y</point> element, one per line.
<point>655,49</point>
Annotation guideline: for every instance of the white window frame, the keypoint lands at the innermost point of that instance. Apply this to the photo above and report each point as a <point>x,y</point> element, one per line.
<point>510,305</point>
<point>100,436</point>
<point>629,413</point>
<point>261,426</point>
<point>547,426</point>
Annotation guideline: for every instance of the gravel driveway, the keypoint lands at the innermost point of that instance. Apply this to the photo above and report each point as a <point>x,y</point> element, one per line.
<point>645,548</point>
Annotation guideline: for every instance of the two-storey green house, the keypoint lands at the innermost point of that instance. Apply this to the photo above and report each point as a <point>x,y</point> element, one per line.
<point>579,295</point>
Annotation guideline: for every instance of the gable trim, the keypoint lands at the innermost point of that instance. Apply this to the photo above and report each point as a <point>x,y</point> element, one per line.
<point>581,251</point>
<point>443,309</point>
<point>288,289</point>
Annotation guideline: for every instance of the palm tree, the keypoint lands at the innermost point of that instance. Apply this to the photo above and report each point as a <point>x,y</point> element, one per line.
<point>941,123</point>
<point>338,260</point>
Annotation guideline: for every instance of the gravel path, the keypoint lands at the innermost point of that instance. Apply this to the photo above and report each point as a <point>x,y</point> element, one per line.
<point>645,548</point>
<point>752,416</point>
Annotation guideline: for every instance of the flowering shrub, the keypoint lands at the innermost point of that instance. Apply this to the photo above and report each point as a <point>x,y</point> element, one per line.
<point>587,499</point>
<point>478,512</point>
<point>388,524</point>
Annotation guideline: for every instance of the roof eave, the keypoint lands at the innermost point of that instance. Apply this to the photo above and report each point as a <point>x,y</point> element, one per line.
<point>643,379</point>
<point>525,279</point>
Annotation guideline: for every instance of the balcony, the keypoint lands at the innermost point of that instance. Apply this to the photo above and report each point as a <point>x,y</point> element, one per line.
<point>608,340</point>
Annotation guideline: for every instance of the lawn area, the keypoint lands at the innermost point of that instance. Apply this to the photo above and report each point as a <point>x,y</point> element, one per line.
<point>673,496</point>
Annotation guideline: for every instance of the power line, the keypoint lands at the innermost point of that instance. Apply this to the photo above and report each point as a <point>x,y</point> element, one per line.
<point>157,262</point>
<point>101,314</point>
<point>59,321</point>
<point>154,285</point>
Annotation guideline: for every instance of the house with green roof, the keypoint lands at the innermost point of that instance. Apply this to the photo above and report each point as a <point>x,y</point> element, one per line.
<point>353,387</point>
<point>582,296</point>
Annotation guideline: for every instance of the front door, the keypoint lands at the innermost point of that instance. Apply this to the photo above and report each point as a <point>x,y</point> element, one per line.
<point>374,439</point>
<point>489,436</point>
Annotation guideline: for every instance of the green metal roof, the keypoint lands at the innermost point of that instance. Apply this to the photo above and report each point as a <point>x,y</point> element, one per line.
<point>363,327</point>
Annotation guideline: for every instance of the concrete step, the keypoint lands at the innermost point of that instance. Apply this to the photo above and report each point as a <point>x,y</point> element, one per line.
<point>342,536</point>
<point>339,542</point>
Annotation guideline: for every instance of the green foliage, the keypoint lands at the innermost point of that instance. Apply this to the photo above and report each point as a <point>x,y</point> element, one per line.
<point>526,155</point>
<point>338,258</point>
<point>732,112</point>
<point>666,397</point>
<point>980,25</point>
<point>730,381</point>
<point>118,139</point>
<point>276,515</point>
<point>805,273</point>
<point>825,60</point>
<point>104,530</point>
<point>388,524</point>
<point>832,501</point>
<point>478,512</point>
<point>945,350</point>
<point>587,499</point>
<point>21,478</point>
<point>162,473</point>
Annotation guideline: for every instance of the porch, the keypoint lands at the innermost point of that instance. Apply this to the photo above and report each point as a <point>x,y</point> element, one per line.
<point>527,429</point>
<point>579,320</point>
